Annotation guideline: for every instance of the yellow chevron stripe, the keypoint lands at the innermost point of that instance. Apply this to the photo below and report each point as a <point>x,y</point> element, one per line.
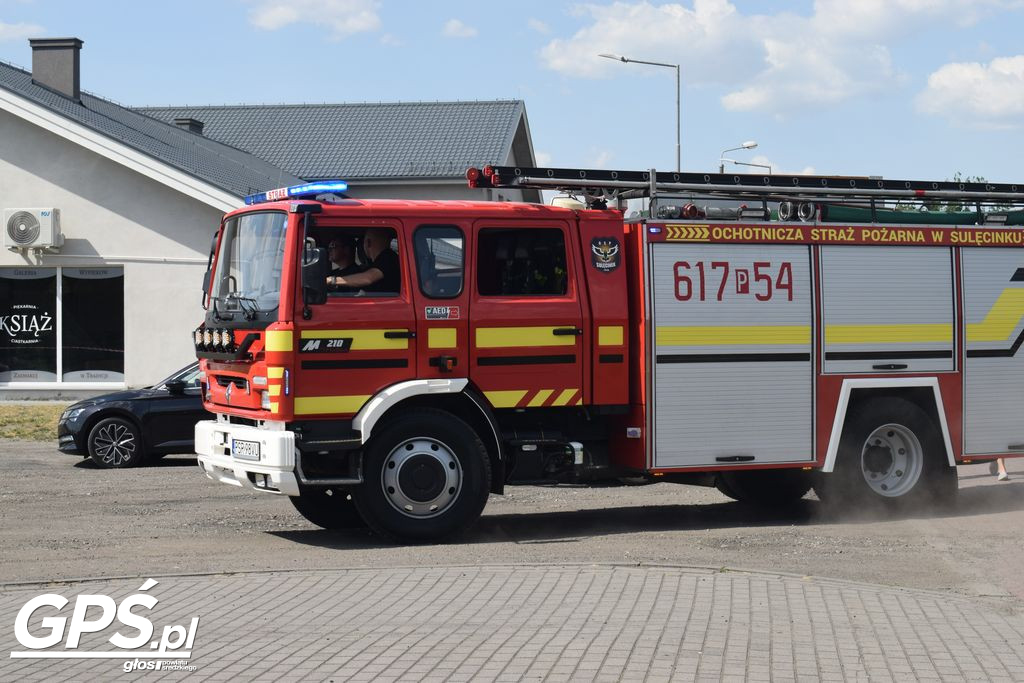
<point>274,389</point>
<point>521,337</point>
<point>275,373</point>
<point>362,340</point>
<point>539,399</point>
<point>505,399</point>
<point>752,335</point>
<point>320,405</point>
<point>888,334</point>
<point>275,407</point>
<point>278,340</point>
<point>564,397</point>
<point>686,233</point>
<point>1001,320</point>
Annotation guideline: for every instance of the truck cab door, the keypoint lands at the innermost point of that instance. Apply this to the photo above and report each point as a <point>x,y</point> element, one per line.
<point>527,334</point>
<point>441,296</point>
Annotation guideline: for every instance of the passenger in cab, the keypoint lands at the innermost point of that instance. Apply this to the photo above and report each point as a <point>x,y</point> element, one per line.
<point>382,274</point>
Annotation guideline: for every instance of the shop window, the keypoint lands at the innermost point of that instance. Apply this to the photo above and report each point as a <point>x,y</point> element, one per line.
<point>61,324</point>
<point>92,324</point>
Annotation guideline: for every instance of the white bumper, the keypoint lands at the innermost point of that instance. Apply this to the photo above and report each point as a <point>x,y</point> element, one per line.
<point>273,472</point>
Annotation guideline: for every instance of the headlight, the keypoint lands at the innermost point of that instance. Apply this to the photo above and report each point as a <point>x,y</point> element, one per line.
<point>265,400</point>
<point>198,335</point>
<point>72,414</point>
<point>225,338</point>
<point>207,337</point>
<point>216,337</point>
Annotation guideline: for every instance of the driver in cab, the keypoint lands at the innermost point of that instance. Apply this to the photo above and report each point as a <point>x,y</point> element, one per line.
<point>382,273</point>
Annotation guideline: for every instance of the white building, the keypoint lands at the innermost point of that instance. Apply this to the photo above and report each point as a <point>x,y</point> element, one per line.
<point>139,200</point>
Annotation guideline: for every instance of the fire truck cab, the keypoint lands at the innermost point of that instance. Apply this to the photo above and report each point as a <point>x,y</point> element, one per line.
<point>392,363</point>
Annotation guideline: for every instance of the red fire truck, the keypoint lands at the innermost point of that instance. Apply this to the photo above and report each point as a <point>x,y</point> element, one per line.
<point>762,334</point>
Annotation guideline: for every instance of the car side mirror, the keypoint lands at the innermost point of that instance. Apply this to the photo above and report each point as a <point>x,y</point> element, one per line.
<point>315,269</point>
<point>176,386</point>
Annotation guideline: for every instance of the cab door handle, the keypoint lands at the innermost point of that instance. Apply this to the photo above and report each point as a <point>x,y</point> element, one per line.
<point>399,334</point>
<point>567,331</point>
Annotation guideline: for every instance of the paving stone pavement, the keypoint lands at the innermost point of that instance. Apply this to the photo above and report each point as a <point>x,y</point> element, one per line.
<point>551,623</point>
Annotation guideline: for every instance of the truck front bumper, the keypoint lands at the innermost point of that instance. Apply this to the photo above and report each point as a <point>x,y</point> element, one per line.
<point>271,469</point>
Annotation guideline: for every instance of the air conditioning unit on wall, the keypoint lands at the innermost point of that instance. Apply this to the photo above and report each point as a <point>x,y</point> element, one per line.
<point>32,229</point>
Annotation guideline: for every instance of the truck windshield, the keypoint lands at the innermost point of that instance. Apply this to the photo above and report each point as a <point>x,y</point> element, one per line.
<point>248,275</point>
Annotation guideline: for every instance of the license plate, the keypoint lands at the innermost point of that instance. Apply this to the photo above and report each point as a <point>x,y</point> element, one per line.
<point>245,450</point>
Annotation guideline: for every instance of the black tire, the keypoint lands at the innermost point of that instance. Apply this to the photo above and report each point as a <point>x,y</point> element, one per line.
<point>115,442</point>
<point>882,473</point>
<point>769,488</point>
<point>328,508</point>
<point>427,477</point>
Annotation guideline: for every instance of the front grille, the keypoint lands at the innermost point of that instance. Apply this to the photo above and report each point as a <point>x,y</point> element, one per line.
<point>224,380</point>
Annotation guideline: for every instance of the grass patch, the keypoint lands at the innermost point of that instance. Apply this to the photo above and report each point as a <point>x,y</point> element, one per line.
<point>30,422</point>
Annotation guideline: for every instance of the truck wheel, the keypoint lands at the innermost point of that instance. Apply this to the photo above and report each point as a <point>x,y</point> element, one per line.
<point>427,476</point>
<point>890,454</point>
<point>115,443</point>
<point>328,508</point>
<point>770,488</point>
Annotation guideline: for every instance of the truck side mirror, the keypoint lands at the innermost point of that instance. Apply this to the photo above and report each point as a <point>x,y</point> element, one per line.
<point>315,269</point>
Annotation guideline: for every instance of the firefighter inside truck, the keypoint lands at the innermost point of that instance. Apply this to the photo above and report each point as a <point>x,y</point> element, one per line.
<point>374,271</point>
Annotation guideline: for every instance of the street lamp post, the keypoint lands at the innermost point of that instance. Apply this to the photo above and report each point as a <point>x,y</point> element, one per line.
<point>627,60</point>
<point>749,144</point>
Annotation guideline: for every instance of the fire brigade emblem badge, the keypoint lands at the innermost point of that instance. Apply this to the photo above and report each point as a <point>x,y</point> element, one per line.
<point>604,253</point>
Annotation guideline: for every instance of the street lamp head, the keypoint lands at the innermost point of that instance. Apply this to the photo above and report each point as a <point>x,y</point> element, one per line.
<point>749,144</point>
<point>608,55</point>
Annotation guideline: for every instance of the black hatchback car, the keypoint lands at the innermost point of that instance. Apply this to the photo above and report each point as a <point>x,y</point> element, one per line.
<point>125,428</point>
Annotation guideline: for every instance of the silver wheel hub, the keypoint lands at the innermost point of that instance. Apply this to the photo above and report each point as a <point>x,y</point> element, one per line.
<point>421,477</point>
<point>892,460</point>
<point>115,444</point>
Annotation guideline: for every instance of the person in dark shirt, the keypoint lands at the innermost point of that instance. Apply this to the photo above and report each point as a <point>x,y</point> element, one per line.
<point>383,274</point>
<point>342,253</point>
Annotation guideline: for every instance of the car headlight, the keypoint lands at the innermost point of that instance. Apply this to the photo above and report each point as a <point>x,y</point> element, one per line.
<point>265,400</point>
<point>216,337</point>
<point>226,339</point>
<point>198,336</point>
<point>207,337</point>
<point>72,414</point>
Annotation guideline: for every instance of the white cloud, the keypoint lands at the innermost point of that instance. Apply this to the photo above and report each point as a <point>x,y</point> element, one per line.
<point>20,31</point>
<point>453,28</point>
<point>342,17</point>
<point>391,40</point>
<point>538,26</point>
<point>979,95</point>
<point>771,63</point>
<point>543,159</point>
<point>600,158</point>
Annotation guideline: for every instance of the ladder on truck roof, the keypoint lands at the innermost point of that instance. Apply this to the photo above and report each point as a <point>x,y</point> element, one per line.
<point>600,187</point>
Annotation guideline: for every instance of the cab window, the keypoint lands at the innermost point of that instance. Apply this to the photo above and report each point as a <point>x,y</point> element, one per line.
<point>364,262</point>
<point>439,260</point>
<point>521,262</point>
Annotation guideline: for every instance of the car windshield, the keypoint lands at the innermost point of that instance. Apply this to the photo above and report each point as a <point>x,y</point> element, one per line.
<point>248,275</point>
<point>188,374</point>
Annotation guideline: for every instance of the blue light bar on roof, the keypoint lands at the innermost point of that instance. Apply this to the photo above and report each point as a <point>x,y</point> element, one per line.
<point>306,190</point>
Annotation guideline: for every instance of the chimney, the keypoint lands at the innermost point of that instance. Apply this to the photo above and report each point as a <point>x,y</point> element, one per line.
<point>55,65</point>
<point>189,124</point>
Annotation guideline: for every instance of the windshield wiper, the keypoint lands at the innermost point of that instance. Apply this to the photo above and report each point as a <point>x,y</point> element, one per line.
<point>250,307</point>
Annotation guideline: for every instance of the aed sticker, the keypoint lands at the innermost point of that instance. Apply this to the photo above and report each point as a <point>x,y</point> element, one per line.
<point>604,253</point>
<point>441,312</point>
<point>335,345</point>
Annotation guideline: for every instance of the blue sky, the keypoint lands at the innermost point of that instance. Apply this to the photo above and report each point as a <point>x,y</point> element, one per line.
<point>899,88</point>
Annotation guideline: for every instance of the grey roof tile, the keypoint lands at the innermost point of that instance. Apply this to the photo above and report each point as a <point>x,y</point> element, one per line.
<point>368,140</point>
<point>231,169</point>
